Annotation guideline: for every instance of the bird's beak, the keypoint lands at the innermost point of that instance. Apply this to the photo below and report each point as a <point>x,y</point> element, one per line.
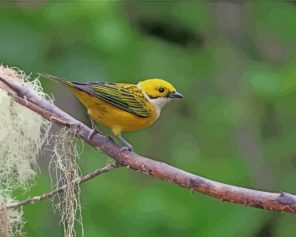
<point>175,94</point>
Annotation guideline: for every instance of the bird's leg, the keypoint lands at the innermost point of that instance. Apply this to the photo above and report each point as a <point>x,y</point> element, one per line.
<point>94,129</point>
<point>93,124</point>
<point>127,146</point>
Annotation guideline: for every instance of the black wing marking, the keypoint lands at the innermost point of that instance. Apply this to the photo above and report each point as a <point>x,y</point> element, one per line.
<point>128,98</point>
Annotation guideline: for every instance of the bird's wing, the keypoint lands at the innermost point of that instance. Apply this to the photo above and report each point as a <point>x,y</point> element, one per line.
<point>127,97</point>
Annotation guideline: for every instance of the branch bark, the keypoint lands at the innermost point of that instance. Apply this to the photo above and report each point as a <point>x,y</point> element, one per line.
<point>48,195</point>
<point>281,201</point>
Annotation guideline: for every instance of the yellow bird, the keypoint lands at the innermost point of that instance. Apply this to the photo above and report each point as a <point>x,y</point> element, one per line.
<point>122,107</point>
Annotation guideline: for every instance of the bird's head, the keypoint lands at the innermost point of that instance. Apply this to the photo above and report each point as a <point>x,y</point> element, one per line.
<point>159,91</point>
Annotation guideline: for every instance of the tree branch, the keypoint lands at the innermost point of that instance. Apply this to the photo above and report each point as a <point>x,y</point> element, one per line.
<point>48,195</point>
<point>284,202</point>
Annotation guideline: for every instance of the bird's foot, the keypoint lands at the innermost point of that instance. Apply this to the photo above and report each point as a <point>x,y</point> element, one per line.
<point>92,133</point>
<point>126,148</point>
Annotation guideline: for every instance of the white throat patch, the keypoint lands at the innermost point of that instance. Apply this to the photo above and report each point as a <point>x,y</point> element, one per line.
<point>157,103</point>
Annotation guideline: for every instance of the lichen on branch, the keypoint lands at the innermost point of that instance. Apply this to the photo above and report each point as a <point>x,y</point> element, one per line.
<point>22,133</point>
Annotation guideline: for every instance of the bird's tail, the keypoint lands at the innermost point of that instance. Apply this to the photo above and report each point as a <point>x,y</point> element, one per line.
<point>56,79</point>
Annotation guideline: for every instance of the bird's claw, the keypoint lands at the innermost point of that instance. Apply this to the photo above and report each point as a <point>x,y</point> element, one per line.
<point>92,133</point>
<point>126,148</point>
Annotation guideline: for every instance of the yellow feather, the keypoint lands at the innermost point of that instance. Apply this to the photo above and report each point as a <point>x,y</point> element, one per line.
<point>119,106</point>
<point>113,117</point>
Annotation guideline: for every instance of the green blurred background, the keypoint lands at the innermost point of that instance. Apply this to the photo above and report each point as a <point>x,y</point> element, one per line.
<point>235,64</point>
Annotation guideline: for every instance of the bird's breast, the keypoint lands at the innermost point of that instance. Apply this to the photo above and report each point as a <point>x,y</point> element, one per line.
<point>113,117</point>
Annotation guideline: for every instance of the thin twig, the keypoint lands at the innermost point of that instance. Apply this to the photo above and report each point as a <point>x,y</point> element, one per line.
<point>283,202</point>
<point>62,188</point>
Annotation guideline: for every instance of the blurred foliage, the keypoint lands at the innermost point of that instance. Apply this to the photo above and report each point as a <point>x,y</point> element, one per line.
<point>234,62</point>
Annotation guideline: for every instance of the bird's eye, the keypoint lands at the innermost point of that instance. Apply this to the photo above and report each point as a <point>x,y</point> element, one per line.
<point>161,89</point>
